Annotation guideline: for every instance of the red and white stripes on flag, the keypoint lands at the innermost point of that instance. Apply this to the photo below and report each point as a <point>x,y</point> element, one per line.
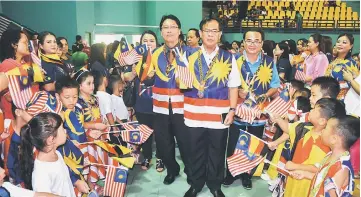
<point>240,163</point>
<point>185,76</point>
<point>145,131</point>
<point>300,75</point>
<point>129,57</point>
<point>112,187</point>
<point>248,114</point>
<point>280,105</point>
<point>19,95</point>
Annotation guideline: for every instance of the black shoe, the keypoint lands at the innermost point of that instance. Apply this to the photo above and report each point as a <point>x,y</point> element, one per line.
<point>169,179</point>
<point>191,192</point>
<point>218,193</point>
<point>228,181</point>
<point>246,181</point>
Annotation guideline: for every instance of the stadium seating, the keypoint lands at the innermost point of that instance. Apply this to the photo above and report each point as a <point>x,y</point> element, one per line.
<point>316,14</point>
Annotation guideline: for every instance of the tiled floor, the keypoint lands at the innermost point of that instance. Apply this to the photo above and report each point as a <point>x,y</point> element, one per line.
<point>150,184</point>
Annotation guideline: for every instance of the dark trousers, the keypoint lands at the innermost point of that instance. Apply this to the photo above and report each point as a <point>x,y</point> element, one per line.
<point>166,127</point>
<point>147,119</point>
<point>207,152</point>
<point>234,135</point>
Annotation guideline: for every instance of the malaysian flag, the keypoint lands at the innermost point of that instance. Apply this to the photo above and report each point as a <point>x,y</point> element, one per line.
<point>280,105</point>
<point>183,73</point>
<point>20,90</point>
<point>300,73</point>
<point>43,101</point>
<point>248,111</point>
<point>115,182</point>
<point>131,132</point>
<point>7,23</point>
<point>247,154</point>
<point>240,163</point>
<point>127,56</point>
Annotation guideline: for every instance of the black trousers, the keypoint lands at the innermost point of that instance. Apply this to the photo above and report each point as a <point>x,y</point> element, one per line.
<point>147,119</point>
<point>234,135</point>
<point>207,154</point>
<point>166,127</point>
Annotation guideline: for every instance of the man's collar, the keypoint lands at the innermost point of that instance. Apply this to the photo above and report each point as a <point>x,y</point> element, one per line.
<point>213,52</point>
<point>246,57</point>
<point>167,49</point>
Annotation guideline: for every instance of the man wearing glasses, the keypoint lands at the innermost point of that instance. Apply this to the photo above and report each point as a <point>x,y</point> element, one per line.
<point>167,98</point>
<point>260,82</point>
<point>214,93</point>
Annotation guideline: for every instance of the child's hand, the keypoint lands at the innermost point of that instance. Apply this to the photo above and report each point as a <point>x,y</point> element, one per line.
<point>100,126</point>
<point>95,134</point>
<point>290,165</point>
<point>274,117</point>
<point>298,174</point>
<point>82,186</point>
<point>272,146</point>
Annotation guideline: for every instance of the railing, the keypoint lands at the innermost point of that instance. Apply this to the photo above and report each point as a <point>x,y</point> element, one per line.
<point>291,25</point>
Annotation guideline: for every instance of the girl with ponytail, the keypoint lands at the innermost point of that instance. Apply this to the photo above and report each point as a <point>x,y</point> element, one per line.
<point>44,171</point>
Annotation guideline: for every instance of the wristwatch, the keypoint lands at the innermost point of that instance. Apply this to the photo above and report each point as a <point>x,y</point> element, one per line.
<point>232,109</point>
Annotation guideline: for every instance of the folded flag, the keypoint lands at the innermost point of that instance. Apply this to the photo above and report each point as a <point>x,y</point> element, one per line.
<point>280,105</point>
<point>115,182</point>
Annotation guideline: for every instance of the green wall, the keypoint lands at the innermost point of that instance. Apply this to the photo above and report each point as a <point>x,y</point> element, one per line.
<point>277,37</point>
<point>57,17</point>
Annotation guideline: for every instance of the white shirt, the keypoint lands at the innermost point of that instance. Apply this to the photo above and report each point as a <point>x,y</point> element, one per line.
<point>17,191</point>
<point>105,104</point>
<point>234,79</point>
<point>52,177</point>
<point>119,109</point>
<point>352,100</point>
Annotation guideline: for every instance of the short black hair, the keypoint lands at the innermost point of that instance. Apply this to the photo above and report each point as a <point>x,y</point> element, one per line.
<point>306,92</point>
<point>195,30</point>
<point>254,30</point>
<point>207,20</point>
<point>78,37</point>
<point>329,86</point>
<point>348,127</point>
<point>58,41</point>
<point>297,85</point>
<point>13,109</point>
<point>303,103</point>
<point>355,54</point>
<point>330,108</point>
<point>112,80</point>
<point>171,17</point>
<point>65,82</point>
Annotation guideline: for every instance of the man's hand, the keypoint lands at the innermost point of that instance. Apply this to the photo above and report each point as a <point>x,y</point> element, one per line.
<point>229,118</point>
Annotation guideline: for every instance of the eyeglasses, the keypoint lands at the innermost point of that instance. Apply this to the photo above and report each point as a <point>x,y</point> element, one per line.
<point>170,27</point>
<point>210,31</point>
<point>255,42</point>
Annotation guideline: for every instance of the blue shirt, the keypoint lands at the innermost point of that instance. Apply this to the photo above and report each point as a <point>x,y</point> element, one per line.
<point>275,81</point>
<point>144,102</point>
